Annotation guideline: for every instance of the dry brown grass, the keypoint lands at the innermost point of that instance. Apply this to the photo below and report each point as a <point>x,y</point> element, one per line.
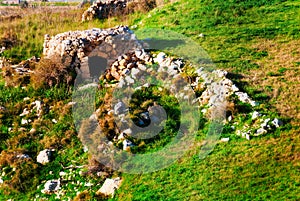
<point>138,6</point>
<point>8,39</point>
<point>23,169</point>
<point>280,70</point>
<point>53,72</point>
<point>164,2</point>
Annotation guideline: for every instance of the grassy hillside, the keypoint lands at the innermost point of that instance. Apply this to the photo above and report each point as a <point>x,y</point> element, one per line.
<point>258,42</point>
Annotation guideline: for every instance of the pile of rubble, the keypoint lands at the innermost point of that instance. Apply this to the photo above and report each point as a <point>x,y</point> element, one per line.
<point>80,43</point>
<point>77,46</point>
<point>103,9</point>
<point>82,46</point>
<point>125,61</point>
<point>121,60</point>
<point>216,89</point>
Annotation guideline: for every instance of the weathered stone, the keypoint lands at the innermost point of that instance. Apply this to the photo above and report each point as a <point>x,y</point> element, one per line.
<point>127,131</point>
<point>277,123</point>
<point>265,124</point>
<point>26,99</point>
<point>51,186</point>
<point>115,74</point>
<point>110,186</point>
<point>134,73</point>
<point>45,156</point>
<point>129,80</point>
<point>121,137</point>
<point>123,62</point>
<point>260,131</point>
<point>126,72</point>
<point>160,57</point>
<point>127,144</point>
<point>23,156</point>
<point>120,108</point>
<point>243,97</point>
<point>24,121</point>
<point>247,136</point>
<point>24,113</point>
<point>32,131</point>
<point>255,115</point>
<point>225,139</point>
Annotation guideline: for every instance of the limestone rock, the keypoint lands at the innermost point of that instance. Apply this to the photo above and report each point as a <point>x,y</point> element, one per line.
<point>255,115</point>
<point>45,156</point>
<point>51,186</point>
<point>127,144</point>
<point>225,139</point>
<point>277,123</point>
<point>260,131</point>
<point>265,124</point>
<point>102,9</point>
<point>24,121</point>
<point>243,97</point>
<point>247,136</point>
<point>23,156</point>
<point>127,131</point>
<point>160,57</point>
<point>119,108</point>
<point>110,186</point>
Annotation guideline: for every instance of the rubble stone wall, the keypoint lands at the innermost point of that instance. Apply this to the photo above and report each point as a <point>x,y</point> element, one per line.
<point>103,9</point>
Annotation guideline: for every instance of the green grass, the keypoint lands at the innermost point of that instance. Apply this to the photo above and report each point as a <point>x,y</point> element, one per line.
<point>234,24</point>
<point>265,168</point>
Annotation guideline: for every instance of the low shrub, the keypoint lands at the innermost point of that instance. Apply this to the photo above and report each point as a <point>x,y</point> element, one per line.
<point>53,72</point>
<point>9,39</point>
<point>140,6</point>
<point>20,171</point>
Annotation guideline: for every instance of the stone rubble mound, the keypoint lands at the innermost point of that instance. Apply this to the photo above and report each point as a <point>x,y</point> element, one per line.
<point>125,61</point>
<point>216,89</point>
<point>80,43</point>
<point>78,46</point>
<point>103,9</point>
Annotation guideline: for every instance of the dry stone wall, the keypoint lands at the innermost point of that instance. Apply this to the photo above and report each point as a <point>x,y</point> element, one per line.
<point>85,46</point>
<point>103,9</point>
<point>80,43</point>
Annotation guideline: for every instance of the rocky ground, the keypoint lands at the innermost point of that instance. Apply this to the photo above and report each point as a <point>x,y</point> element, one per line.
<point>125,64</point>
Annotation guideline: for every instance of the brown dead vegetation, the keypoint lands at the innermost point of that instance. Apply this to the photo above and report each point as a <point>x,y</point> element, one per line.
<point>279,71</point>
<point>53,72</point>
